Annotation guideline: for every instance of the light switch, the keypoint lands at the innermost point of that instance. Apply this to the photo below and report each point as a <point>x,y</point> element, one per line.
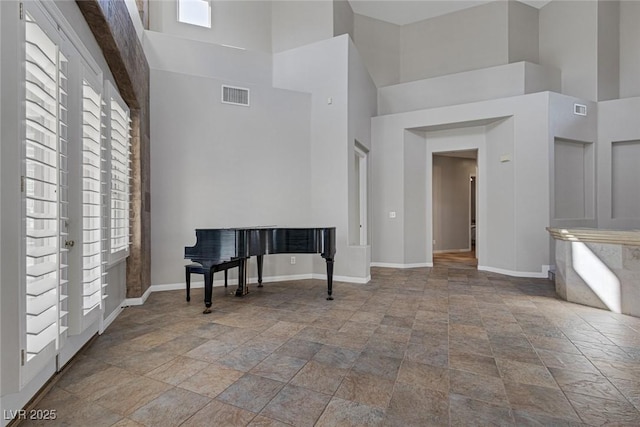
<point>392,214</point>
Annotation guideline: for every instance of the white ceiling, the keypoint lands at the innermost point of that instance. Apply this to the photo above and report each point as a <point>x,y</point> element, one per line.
<point>401,12</point>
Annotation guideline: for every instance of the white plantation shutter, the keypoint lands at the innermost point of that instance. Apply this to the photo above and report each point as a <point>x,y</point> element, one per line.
<point>63,188</point>
<point>75,189</point>
<point>93,197</point>
<point>45,191</point>
<point>120,147</point>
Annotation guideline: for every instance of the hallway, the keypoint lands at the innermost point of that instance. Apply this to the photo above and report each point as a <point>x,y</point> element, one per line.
<point>456,260</point>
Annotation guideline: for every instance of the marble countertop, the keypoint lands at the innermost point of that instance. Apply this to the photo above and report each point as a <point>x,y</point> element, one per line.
<point>596,235</point>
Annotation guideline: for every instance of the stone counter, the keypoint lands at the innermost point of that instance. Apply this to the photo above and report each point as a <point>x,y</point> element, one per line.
<point>598,268</point>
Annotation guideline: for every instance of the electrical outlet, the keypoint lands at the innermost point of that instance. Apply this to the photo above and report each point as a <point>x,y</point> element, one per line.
<point>293,260</point>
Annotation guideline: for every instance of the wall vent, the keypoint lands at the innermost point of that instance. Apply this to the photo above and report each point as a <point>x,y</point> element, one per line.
<point>235,95</point>
<point>579,109</point>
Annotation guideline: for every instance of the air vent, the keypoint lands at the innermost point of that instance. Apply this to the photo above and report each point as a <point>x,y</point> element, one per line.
<point>235,95</point>
<point>579,109</point>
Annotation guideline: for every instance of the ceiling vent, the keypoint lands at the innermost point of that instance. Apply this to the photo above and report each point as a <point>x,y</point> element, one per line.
<point>235,95</point>
<point>580,109</point>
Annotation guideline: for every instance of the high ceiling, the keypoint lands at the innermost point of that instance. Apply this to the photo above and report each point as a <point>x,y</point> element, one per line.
<point>401,12</point>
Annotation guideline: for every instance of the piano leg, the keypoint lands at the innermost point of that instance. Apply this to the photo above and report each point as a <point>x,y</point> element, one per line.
<point>188,280</point>
<point>242,278</point>
<point>208,290</point>
<point>260,258</point>
<point>329,278</point>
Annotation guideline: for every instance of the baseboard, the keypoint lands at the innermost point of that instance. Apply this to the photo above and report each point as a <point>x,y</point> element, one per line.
<point>451,251</point>
<point>234,282</point>
<point>543,274</point>
<point>393,265</point>
<point>140,300</point>
<point>347,279</point>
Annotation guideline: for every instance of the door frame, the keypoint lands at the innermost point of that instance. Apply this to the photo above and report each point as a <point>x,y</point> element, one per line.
<point>363,171</point>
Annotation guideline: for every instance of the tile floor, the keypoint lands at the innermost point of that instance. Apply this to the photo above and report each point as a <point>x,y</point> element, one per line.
<point>447,345</point>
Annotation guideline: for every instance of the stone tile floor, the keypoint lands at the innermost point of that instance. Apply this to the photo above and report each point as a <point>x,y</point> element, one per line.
<point>447,345</point>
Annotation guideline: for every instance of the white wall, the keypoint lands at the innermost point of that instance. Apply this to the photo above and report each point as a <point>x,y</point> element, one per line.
<point>618,123</point>
<point>513,203</point>
<point>465,40</point>
<point>245,24</point>
<point>201,58</point>
<point>362,105</point>
<point>343,18</point>
<point>574,173</point>
<point>500,81</point>
<point>378,43</point>
<point>523,32</point>
<point>497,236</point>
<point>322,69</point>
<point>415,206</point>
<point>594,43</point>
<point>315,131</point>
<point>629,49</point>
<point>298,23</point>
<point>568,41</point>
<point>608,50</point>
<point>565,125</point>
<point>223,151</point>
<point>216,165</point>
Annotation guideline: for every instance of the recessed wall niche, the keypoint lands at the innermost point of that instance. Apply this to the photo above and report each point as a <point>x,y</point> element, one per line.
<point>625,179</point>
<point>574,179</point>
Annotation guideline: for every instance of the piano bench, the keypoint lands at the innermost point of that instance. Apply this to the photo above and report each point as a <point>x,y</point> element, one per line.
<point>199,269</point>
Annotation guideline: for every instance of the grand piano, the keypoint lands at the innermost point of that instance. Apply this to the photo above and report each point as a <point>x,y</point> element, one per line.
<point>219,245</point>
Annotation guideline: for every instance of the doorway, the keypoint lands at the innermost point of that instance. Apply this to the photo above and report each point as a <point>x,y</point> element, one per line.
<point>454,208</point>
<point>472,210</point>
<point>361,173</point>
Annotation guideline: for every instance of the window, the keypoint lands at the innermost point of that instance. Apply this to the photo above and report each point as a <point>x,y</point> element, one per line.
<point>120,173</point>
<point>195,12</point>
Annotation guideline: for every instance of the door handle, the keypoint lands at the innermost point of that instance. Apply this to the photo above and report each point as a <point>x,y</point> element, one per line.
<point>69,244</point>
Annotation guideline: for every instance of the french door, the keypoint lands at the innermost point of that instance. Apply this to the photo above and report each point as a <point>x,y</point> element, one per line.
<point>45,192</point>
<point>64,189</point>
<point>75,189</point>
